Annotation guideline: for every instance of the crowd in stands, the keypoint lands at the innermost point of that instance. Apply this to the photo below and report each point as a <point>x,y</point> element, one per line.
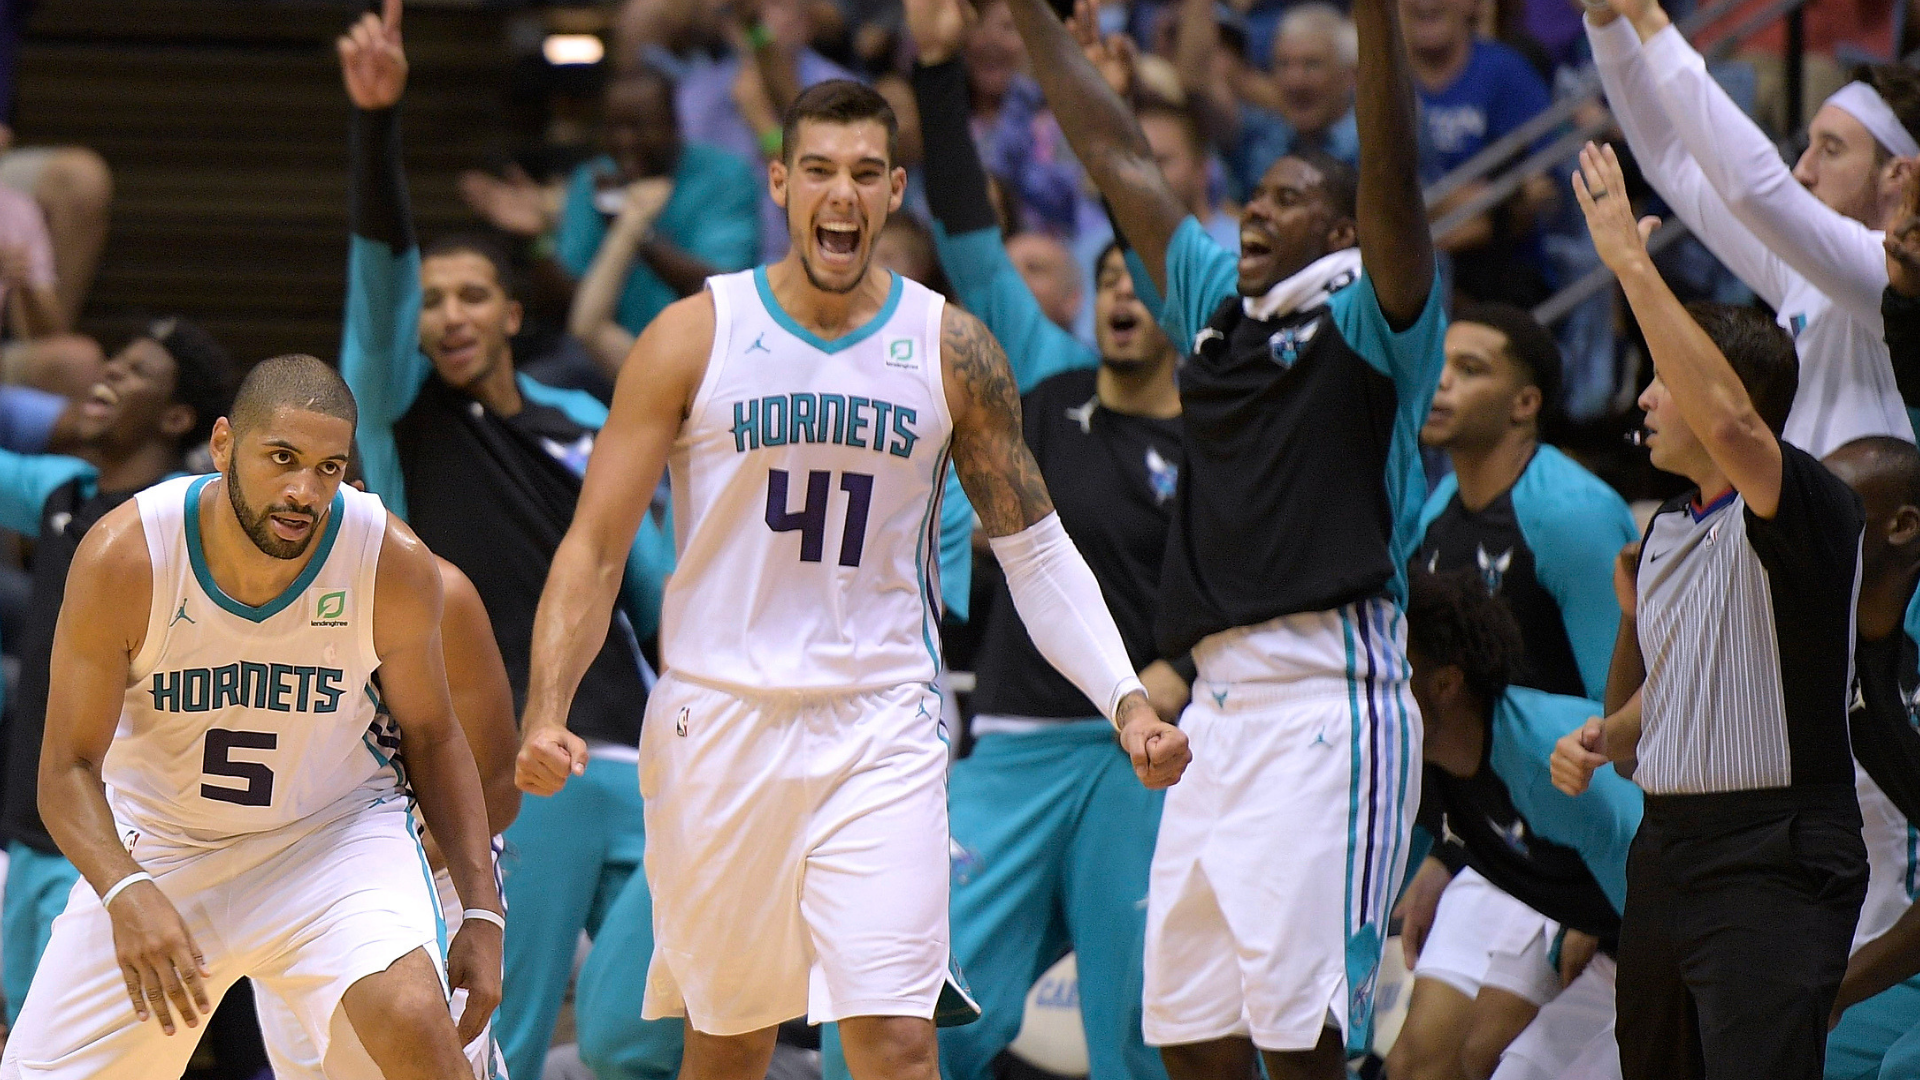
<point>513,334</point>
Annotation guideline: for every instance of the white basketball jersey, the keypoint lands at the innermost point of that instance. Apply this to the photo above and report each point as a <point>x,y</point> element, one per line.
<point>806,487</point>
<point>241,719</point>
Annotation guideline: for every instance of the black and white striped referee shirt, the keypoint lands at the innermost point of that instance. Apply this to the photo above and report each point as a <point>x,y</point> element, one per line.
<point>1747,629</point>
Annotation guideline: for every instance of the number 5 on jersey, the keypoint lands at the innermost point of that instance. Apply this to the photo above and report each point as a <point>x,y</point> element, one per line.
<point>811,519</point>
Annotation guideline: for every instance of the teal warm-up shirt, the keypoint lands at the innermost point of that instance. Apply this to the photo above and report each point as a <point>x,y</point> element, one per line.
<point>1547,547</point>
<point>713,215</point>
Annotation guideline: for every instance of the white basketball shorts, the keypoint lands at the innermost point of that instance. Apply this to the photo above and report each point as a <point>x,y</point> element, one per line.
<point>1573,1037</point>
<point>305,911</point>
<point>797,850</point>
<point>294,1057</point>
<point>1283,848</point>
<point>1473,915</point>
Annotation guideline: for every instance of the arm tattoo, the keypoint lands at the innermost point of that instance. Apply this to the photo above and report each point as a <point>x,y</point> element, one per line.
<point>989,450</point>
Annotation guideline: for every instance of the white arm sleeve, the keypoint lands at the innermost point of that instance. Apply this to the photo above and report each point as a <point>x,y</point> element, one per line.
<point>1838,255</point>
<point>1674,174</point>
<point>1065,615</point>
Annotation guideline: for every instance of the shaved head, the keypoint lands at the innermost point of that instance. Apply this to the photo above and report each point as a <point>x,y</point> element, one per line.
<point>1885,473</point>
<point>294,381</point>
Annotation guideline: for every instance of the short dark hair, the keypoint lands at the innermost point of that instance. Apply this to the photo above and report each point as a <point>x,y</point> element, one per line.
<point>1339,181</point>
<point>1899,86</point>
<point>1115,246</point>
<point>202,373</point>
<point>485,245</point>
<point>292,381</point>
<point>1896,459</point>
<point>1454,621</point>
<point>1529,344</point>
<point>1761,354</point>
<point>839,101</point>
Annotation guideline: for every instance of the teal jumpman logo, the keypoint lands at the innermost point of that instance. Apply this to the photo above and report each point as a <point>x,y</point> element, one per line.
<point>182,614</point>
<point>760,343</point>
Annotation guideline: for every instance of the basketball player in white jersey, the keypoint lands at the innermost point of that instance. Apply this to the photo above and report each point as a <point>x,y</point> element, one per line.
<point>218,767</point>
<point>792,761</point>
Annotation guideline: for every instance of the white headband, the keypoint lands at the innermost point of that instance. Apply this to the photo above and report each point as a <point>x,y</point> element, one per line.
<point>1864,103</point>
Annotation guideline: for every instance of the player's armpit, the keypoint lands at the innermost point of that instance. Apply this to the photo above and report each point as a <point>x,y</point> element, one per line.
<point>989,450</point>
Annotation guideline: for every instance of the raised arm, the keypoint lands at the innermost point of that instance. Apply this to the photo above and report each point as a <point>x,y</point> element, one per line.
<point>482,696</point>
<point>1703,384</point>
<point>1104,135</point>
<point>1840,256</point>
<point>1055,593</point>
<point>656,388</point>
<point>593,318</point>
<point>440,764</point>
<point>102,626</point>
<point>380,348</point>
<point>1668,167</point>
<point>966,233</point>
<point>1392,214</point>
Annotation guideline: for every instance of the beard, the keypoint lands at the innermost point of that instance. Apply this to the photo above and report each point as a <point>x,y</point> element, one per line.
<point>260,530</point>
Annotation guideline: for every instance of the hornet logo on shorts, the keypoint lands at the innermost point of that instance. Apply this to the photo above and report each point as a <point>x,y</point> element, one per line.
<point>1162,476</point>
<point>967,863</point>
<point>330,608</point>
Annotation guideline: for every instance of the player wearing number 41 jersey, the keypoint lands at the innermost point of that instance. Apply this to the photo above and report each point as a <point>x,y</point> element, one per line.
<point>792,762</point>
<point>220,769</point>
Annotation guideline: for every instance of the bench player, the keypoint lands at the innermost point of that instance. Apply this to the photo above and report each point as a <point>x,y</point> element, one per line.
<point>216,768</point>
<point>792,763</point>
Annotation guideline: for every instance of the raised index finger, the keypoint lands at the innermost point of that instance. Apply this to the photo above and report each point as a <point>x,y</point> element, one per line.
<point>390,16</point>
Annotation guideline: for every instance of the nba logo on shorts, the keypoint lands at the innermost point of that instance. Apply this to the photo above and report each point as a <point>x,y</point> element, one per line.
<point>329,608</point>
<point>900,354</point>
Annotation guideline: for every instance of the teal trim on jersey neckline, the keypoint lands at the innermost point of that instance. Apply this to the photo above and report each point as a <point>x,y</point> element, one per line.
<point>845,341</point>
<point>197,555</point>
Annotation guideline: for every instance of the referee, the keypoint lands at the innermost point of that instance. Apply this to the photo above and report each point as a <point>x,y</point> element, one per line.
<point>1748,873</point>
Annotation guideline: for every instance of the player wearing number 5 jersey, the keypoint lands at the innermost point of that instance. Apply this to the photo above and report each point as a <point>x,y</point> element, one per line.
<point>220,770</point>
<point>792,762</point>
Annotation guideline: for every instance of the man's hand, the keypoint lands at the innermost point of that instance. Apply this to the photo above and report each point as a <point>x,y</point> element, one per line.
<point>938,28</point>
<point>1626,579</point>
<point>372,61</point>
<point>474,965</point>
<point>513,204</point>
<point>1112,57</point>
<point>1418,905</point>
<point>548,757</point>
<point>158,957</point>
<point>1601,188</point>
<point>16,266</point>
<point>1576,952</point>
<point>1903,242</point>
<point>1646,15</point>
<point>1167,692</point>
<point>1578,753</point>
<point>644,201</point>
<point>1158,749</point>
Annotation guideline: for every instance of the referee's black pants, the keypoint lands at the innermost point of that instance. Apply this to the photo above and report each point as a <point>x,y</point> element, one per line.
<point>1740,912</point>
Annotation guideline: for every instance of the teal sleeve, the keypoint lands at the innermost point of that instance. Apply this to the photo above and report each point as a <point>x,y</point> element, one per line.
<point>1412,358</point>
<point>380,356</point>
<point>1200,276</point>
<point>1600,823</point>
<point>1576,526</point>
<point>991,288</point>
<point>1436,503</point>
<point>727,236</point>
<point>1148,292</point>
<point>956,549</point>
<point>581,227</point>
<point>579,406</point>
<point>25,482</point>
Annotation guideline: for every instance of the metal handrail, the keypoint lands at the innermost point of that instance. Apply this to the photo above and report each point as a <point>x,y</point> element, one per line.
<point>1491,156</point>
<point>1567,145</point>
<point>1561,304</point>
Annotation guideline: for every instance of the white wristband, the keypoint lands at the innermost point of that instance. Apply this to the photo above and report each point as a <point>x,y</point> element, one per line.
<point>484,915</point>
<point>120,886</point>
